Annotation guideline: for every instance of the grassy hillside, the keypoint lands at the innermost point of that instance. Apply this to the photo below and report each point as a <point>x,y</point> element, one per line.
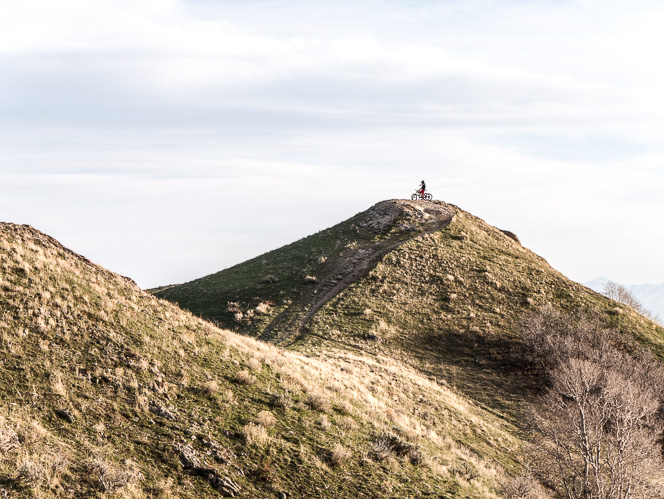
<point>268,296</point>
<point>107,391</point>
<point>447,299</point>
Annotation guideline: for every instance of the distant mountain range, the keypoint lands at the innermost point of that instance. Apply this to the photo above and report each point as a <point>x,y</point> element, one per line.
<point>651,295</point>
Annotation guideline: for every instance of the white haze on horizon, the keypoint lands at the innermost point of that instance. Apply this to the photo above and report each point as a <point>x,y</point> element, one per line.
<point>170,139</point>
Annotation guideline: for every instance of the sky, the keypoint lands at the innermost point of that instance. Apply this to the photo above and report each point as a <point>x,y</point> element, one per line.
<point>169,139</point>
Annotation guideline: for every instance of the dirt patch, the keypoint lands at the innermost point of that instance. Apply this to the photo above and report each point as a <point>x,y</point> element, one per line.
<point>399,220</point>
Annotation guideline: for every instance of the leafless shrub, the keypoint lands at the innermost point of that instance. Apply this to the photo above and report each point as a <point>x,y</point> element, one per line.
<point>319,402</point>
<point>383,449</point>
<point>112,477</point>
<point>466,471</point>
<point>388,444</point>
<point>622,295</point>
<point>522,487</point>
<point>551,337</point>
<point>596,423</point>
<point>283,399</point>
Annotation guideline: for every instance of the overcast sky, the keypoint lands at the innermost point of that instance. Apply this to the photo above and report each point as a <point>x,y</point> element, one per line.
<point>168,139</point>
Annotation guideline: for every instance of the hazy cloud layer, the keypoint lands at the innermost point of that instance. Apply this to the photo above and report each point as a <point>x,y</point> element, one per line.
<point>168,139</point>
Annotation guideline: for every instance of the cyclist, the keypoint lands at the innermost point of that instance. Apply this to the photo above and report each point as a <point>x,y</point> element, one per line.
<point>423,187</point>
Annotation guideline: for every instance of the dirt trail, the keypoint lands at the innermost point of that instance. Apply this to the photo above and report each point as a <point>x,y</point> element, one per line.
<point>414,218</point>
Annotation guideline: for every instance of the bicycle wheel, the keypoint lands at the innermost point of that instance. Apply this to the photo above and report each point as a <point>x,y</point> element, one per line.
<point>415,197</point>
<point>428,197</point>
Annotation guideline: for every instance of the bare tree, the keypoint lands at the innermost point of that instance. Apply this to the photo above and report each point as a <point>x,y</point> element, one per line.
<point>622,295</point>
<point>596,422</point>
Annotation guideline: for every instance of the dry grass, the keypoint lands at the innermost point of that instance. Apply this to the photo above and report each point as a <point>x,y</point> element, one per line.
<point>345,407</point>
<point>245,377</point>
<point>112,477</point>
<point>262,308</point>
<point>378,401</point>
<point>256,435</point>
<point>266,419</point>
<point>57,385</point>
<point>324,422</point>
<point>319,401</point>
<point>8,437</point>
<point>255,365</point>
<point>31,472</point>
<point>348,423</point>
<point>211,387</point>
<point>339,455</point>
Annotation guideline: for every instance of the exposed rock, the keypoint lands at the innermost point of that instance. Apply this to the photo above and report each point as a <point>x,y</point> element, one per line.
<point>167,411</point>
<point>65,414</point>
<point>192,463</point>
<point>217,452</point>
<point>511,235</point>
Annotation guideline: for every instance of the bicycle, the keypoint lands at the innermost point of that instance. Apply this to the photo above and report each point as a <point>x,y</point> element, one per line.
<point>417,195</point>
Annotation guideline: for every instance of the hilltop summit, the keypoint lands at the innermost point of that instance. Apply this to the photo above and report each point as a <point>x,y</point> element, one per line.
<point>424,282</point>
<point>300,278</point>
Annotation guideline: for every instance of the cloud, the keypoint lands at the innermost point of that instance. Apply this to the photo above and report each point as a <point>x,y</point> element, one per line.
<point>182,125</point>
<point>156,58</point>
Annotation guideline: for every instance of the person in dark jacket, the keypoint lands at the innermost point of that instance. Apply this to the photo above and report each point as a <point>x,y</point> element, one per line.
<point>423,187</point>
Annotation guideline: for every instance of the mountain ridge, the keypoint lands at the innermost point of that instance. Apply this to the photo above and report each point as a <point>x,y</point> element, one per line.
<point>449,303</point>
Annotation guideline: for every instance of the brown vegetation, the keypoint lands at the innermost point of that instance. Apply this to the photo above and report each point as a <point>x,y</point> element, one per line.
<point>598,422</point>
<point>622,295</point>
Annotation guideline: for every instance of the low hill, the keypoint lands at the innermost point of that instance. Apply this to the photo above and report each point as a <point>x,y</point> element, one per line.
<point>108,391</point>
